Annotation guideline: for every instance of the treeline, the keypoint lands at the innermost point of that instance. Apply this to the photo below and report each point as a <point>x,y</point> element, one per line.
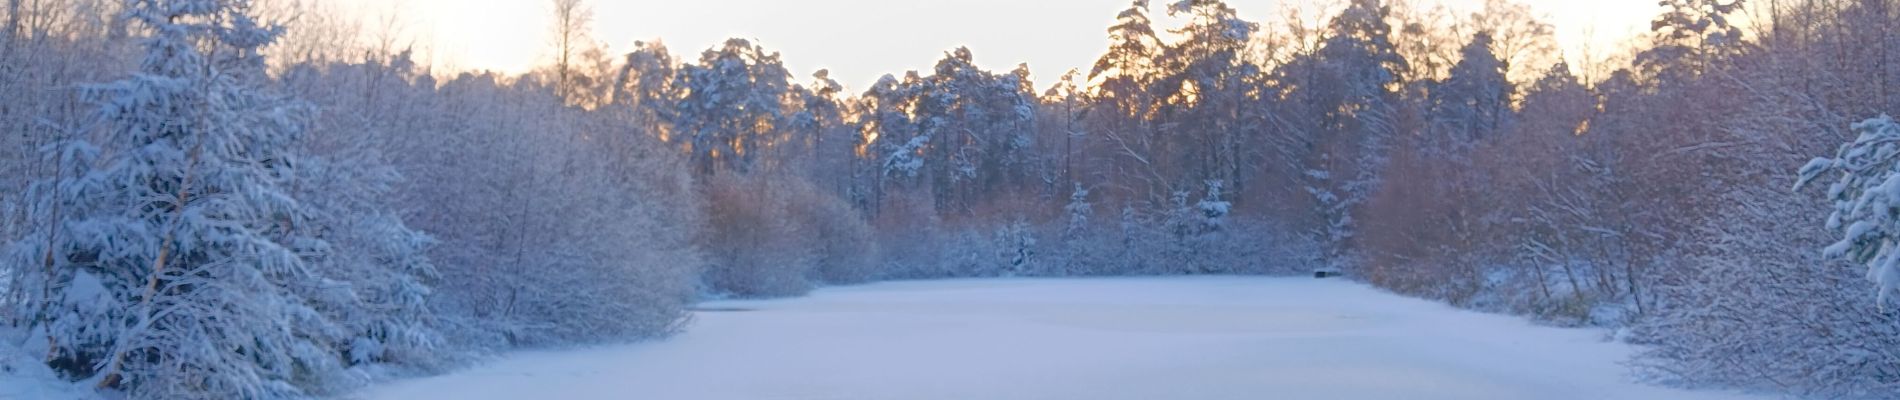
<point>202,203</point>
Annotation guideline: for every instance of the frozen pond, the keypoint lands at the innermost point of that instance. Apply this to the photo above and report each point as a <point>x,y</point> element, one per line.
<point>1126,338</point>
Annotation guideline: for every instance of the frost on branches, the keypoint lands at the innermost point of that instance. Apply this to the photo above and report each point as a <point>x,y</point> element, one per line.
<point>175,257</point>
<point>1866,202</point>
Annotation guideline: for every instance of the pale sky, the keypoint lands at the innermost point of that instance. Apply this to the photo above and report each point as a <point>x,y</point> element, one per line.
<point>860,40</point>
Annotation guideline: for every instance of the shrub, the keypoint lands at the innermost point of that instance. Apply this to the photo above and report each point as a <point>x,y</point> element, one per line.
<point>771,237</point>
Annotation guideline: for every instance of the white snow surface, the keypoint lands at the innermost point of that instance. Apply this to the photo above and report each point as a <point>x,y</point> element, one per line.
<point>22,376</point>
<point>1134,338</point>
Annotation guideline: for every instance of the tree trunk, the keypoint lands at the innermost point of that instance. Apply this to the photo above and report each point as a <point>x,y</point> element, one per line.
<point>1576,290</point>
<point>112,377</point>
<point>12,33</point>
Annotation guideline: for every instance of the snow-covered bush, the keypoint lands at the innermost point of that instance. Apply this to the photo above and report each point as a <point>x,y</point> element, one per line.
<point>1748,309</point>
<point>753,243</point>
<point>969,252</point>
<point>1200,236</point>
<point>912,237</point>
<point>1867,202</point>
<point>618,225</point>
<point>510,185</point>
<point>846,247</point>
<point>1016,250</point>
<point>1768,324</point>
<point>779,236</point>
<point>1260,246</point>
<point>1192,236</point>
<point>1752,314</point>
<point>376,271</point>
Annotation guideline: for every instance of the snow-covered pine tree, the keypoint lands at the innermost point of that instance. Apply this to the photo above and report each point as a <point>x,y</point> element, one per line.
<point>834,137</point>
<point>1124,70</point>
<point>1866,202</point>
<point>1136,239</point>
<point>1206,92</point>
<point>1213,251</point>
<point>885,116</point>
<point>1124,102</point>
<point>645,86</point>
<point>1353,113</point>
<point>974,127</point>
<point>171,249</point>
<point>1214,209</point>
<point>733,101</point>
<point>1474,103</point>
<point>1078,240</point>
<point>1079,211</point>
<point>1182,227</point>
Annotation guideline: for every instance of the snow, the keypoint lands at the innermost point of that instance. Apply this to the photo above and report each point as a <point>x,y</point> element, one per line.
<point>1133,338</point>
<point>23,377</point>
<point>1867,195</point>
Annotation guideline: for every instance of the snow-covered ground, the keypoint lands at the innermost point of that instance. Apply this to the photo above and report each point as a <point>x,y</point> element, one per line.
<point>23,377</point>
<point>1146,338</point>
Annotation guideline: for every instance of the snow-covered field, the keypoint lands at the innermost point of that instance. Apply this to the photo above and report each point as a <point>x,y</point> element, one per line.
<point>1146,338</point>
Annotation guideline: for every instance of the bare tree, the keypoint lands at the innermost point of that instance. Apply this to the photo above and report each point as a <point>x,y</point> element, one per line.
<point>1525,41</point>
<point>573,19</point>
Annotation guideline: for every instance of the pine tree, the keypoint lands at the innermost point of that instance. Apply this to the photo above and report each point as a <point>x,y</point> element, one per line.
<point>1124,79</point>
<point>1866,202</point>
<point>1353,77</point>
<point>1079,211</point>
<point>646,87</point>
<point>1206,94</point>
<point>733,105</point>
<point>888,120</point>
<point>1125,71</point>
<point>174,260</point>
<point>1474,103</point>
<point>972,130</point>
<point>1078,237</point>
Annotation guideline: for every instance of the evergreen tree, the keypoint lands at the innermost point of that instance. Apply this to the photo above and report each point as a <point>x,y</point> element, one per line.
<point>181,263</point>
<point>1866,202</point>
<point>1206,93</point>
<point>646,87</point>
<point>1350,84</point>
<point>1474,103</point>
<point>733,106</point>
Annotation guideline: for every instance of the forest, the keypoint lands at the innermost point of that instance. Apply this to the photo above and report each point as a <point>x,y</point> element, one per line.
<point>248,199</point>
